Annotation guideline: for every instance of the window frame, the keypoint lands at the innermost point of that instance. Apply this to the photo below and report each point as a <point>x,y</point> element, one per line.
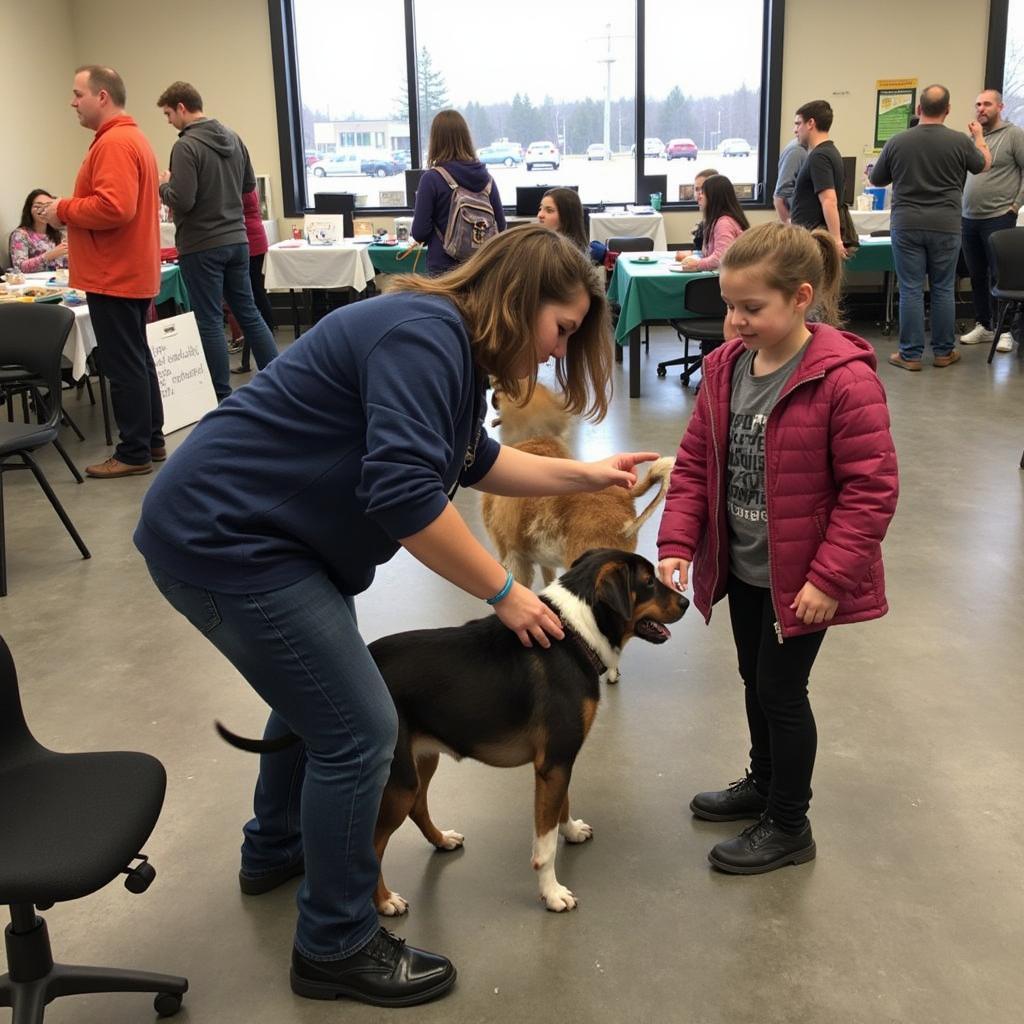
<point>289,122</point>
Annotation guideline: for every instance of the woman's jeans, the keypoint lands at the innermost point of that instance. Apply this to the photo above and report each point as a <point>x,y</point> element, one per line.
<point>299,648</point>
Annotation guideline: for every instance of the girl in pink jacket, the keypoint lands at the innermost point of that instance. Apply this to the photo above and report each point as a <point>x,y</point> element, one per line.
<point>784,486</point>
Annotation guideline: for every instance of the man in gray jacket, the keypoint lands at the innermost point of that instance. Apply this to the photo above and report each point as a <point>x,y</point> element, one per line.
<point>791,159</point>
<point>210,169</point>
<point>991,202</point>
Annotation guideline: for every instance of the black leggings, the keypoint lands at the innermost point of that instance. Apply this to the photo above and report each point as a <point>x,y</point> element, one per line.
<point>783,737</point>
<point>259,293</point>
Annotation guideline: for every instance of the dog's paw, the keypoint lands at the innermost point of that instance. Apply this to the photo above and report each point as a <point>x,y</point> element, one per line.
<point>558,898</point>
<point>450,840</point>
<point>576,830</point>
<point>393,906</point>
<point>613,675</point>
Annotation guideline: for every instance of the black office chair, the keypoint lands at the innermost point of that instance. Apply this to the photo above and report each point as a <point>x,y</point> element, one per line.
<point>32,337</point>
<point>1007,247</point>
<point>703,296</point>
<point>631,243</point>
<point>71,824</point>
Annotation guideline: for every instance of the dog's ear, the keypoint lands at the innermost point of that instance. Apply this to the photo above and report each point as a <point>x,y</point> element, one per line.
<point>614,590</point>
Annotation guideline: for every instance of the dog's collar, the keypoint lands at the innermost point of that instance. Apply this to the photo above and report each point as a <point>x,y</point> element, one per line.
<point>573,634</point>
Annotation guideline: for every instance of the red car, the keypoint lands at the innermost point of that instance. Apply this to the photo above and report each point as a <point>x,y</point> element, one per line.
<point>681,149</point>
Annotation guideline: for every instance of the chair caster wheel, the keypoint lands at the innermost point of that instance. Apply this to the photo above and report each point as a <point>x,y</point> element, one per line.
<point>167,1004</point>
<point>662,372</point>
<point>886,332</point>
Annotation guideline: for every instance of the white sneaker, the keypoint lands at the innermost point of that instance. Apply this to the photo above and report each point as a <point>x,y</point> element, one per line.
<point>977,335</point>
<point>1005,342</point>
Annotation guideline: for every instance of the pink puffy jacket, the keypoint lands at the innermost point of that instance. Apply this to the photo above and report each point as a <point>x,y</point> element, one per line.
<point>831,482</point>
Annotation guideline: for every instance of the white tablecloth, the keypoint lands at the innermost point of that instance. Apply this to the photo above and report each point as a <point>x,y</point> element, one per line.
<point>81,341</point>
<point>167,233</point>
<point>629,225</point>
<point>878,220</point>
<point>288,265</point>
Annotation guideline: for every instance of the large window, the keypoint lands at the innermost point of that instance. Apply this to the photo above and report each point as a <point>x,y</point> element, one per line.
<point>1013,66</point>
<point>551,93</point>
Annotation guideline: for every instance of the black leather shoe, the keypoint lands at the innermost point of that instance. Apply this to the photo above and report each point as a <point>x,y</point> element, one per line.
<point>762,847</point>
<point>740,800</point>
<point>257,885</point>
<point>385,972</point>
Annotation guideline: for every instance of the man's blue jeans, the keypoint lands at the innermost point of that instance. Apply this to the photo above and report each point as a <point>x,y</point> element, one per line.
<point>299,648</point>
<point>916,253</point>
<point>221,275</point>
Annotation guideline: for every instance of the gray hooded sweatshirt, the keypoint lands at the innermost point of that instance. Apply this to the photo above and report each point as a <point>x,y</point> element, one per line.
<point>210,169</point>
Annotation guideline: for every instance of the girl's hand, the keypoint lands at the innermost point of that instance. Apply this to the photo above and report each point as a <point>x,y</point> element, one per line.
<point>58,252</point>
<point>690,263</point>
<point>668,568</point>
<point>528,617</point>
<point>617,470</point>
<point>813,605</point>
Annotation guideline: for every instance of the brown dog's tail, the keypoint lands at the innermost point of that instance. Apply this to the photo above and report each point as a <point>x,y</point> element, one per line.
<point>256,746</point>
<point>660,472</point>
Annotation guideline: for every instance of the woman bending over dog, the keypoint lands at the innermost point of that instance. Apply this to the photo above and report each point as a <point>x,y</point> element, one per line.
<point>277,509</point>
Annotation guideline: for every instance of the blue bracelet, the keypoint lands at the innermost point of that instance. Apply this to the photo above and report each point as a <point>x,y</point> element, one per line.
<point>509,580</point>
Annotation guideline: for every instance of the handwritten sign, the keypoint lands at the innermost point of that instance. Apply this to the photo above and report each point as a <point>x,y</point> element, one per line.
<point>181,370</point>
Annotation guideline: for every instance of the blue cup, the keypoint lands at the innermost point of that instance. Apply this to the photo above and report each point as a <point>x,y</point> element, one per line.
<point>877,197</point>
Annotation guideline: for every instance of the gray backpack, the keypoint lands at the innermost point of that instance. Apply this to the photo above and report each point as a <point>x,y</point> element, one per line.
<point>471,219</point>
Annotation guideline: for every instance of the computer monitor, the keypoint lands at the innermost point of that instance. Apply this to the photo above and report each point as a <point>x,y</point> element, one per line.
<point>412,182</point>
<point>337,202</point>
<point>528,197</point>
<point>652,183</point>
<point>849,179</point>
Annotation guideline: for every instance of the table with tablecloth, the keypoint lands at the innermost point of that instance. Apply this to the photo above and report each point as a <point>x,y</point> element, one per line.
<point>874,255</point>
<point>629,225</point>
<point>867,221</point>
<point>397,259</point>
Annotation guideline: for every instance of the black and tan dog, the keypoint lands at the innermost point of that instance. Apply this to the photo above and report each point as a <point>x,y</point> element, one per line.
<point>475,691</point>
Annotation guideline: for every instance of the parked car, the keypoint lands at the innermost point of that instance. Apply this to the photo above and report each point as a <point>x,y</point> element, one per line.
<point>338,163</point>
<point>734,147</point>
<point>312,157</point>
<point>506,153</point>
<point>598,151</point>
<point>402,157</point>
<point>681,149</point>
<point>542,153</point>
<point>654,147</point>
<point>379,165</point>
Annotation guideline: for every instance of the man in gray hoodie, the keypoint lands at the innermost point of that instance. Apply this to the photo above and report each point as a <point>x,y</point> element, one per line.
<point>210,169</point>
<point>991,202</point>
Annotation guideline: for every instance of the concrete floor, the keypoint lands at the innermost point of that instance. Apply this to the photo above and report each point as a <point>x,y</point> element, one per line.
<point>911,913</point>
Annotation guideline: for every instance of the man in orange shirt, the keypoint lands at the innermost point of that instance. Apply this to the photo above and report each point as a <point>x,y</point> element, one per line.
<point>114,257</point>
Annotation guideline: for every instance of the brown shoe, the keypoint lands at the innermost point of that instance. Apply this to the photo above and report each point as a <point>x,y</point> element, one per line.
<point>114,468</point>
<point>158,454</point>
<point>947,360</point>
<point>905,364</point>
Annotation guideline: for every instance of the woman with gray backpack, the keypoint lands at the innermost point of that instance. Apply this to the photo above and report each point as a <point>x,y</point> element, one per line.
<point>457,208</point>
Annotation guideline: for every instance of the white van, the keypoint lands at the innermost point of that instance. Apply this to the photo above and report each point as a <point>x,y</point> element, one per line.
<point>338,163</point>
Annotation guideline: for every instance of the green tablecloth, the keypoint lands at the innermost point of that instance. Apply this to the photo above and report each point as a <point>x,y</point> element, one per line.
<point>172,286</point>
<point>647,291</point>
<point>874,254</point>
<point>391,259</point>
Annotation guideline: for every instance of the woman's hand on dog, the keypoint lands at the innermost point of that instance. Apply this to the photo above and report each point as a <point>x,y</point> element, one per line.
<point>669,568</point>
<point>618,470</point>
<point>528,617</point>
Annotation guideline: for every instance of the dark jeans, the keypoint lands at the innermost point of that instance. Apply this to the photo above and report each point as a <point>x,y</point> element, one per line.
<point>120,327</point>
<point>976,234</point>
<point>916,253</point>
<point>299,648</point>
<point>259,293</point>
<point>222,275</point>
<point>783,737</point>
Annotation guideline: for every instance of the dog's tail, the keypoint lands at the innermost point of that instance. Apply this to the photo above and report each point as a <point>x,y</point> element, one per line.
<point>660,473</point>
<point>256,746</point>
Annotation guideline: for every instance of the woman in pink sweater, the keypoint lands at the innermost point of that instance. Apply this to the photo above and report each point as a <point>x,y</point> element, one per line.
<point>724,219</point>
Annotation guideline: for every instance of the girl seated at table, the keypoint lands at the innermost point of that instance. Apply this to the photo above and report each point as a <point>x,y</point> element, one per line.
<point>724,222</point>
<point>561,211</point>
<point>35,245</point>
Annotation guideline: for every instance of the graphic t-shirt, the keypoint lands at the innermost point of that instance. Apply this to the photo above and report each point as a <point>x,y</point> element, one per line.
<point>752,399</point>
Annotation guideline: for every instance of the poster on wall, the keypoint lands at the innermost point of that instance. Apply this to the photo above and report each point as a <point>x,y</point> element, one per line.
<point>895,102</point>
<point>181,371</point>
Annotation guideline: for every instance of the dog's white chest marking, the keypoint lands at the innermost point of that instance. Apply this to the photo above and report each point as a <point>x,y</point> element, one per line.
<point>425,746</point>
<point>580,616</point>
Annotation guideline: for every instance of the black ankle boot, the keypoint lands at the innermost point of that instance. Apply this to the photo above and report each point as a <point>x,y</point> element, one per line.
<point>257,885</point>
<point>762,847</point>
<point>740,800</point>
<point>385,972</point>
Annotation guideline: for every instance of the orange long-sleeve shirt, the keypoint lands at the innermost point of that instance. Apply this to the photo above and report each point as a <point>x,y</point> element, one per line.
<point>114,218</point>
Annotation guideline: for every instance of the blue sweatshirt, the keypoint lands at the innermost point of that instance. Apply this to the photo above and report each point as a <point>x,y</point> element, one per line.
<point>352,438</point>
<point>433,204</point>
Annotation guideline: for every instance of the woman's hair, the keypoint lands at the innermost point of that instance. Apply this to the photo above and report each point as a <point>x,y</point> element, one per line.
<point>720,200</point>
<point>449,139</point>
<point>28,221</point>
<point>499,291</point>
<point>788,256</point>
<point>570,215</point>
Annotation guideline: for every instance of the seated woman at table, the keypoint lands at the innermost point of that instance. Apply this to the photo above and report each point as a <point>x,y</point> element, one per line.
<point>450,153</point>
<point>35,245</point>
<point>724,222</point>
<point>561,211</point>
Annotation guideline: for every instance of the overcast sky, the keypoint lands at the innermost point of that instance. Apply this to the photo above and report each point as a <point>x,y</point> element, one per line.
<point>351,55</point>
